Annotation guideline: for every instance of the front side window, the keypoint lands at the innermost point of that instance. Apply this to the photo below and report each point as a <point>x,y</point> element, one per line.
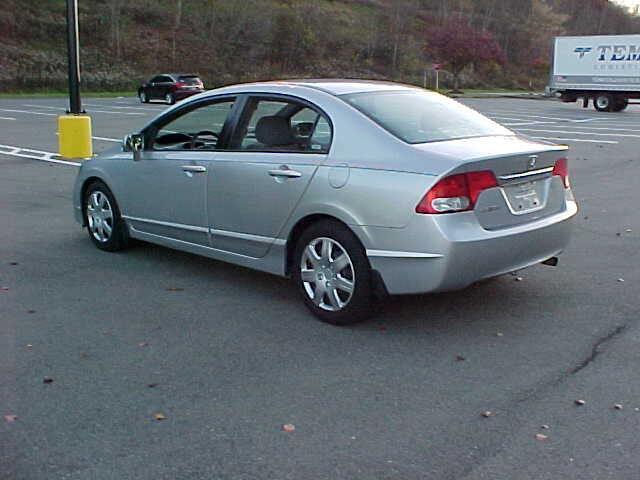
<point>282,126</point>
<point>421,116</point>
<point>198,129</point>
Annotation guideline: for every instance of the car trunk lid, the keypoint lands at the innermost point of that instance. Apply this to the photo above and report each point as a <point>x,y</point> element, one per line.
<point>526,190</point>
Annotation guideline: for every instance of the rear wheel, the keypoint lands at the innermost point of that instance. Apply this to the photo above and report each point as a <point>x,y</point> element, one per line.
<point>603,102</point>
<point>102,216</point>
<point>332,274</point>
<point>620,104</point>
<point>143,97</point>
<point>170,99</point>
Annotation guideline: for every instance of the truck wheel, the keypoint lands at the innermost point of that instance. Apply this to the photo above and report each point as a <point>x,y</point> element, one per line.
<point>620,104</point>
<point>603,102</point>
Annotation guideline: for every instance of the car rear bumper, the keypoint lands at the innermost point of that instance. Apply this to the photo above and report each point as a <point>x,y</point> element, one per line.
<point>182,94</point>
<point>460,251</point>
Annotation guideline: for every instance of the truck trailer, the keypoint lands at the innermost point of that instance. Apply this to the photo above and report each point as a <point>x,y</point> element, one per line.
<point>602,68</point>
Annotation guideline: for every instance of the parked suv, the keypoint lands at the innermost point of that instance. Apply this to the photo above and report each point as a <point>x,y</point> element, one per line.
<point>170,87</point>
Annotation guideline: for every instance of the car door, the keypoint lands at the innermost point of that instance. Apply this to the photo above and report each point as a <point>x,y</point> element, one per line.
<point>257,181</point>
<point>152,87</point>
<point>167,186</point>
<point>165,86</point>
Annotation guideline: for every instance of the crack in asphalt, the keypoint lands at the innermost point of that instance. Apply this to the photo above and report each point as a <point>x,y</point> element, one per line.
<point>595,349</point>
<point>492,449</point>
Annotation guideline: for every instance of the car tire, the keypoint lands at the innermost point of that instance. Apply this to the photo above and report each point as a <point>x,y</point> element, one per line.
<point>620,104</point>
<point>143,97</point>
<point>603,102</point>
<point>102,217</point>
<point>169,99</point>
<point>329,257</point>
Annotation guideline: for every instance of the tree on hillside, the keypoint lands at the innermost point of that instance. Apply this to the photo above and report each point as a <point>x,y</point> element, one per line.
<point>457,44</point>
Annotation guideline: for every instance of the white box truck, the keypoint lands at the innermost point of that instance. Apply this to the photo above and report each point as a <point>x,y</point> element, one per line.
<point>601,68</point>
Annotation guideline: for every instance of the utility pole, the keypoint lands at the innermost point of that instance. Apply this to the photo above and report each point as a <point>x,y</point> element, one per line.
<point>74,128</point>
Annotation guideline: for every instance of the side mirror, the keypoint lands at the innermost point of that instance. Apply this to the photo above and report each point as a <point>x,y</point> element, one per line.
<point>133,143</point>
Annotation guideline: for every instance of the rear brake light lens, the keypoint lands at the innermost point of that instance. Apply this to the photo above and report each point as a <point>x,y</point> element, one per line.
<point>180,84</point>
<point>456,193</point>
<point>561,168</point>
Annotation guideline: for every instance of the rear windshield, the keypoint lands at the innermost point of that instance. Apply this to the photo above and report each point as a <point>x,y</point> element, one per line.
<point>190,80</point>
<point>422,116</point>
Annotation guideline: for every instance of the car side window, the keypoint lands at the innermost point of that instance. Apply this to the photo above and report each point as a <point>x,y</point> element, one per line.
<point>157,79</point>
<point>275,125</point>
<point>166,79</point>
<point>197,129</point>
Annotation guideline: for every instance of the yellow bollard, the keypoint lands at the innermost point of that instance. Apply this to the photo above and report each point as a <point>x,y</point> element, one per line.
<point>74,136</point>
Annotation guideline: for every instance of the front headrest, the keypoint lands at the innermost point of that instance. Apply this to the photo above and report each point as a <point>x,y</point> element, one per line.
<point>274,131</point>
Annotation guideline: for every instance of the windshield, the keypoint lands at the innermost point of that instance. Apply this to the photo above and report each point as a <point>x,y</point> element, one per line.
<point>422,116</point>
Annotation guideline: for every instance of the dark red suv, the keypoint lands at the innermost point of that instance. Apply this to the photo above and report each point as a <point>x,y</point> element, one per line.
<point>170,87</point>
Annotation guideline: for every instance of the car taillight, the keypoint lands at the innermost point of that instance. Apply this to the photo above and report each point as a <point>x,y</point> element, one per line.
<point>180,84</point>
<point>561,168</point>
<point>456,193</point>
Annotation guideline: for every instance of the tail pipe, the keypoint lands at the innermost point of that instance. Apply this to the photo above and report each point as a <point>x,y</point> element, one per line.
<point>552,262</point>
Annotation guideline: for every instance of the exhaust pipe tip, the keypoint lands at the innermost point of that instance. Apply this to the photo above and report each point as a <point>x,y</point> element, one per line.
<point>552,262</point>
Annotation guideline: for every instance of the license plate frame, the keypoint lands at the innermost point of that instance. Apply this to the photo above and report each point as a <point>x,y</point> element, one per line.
<point>525,197</point>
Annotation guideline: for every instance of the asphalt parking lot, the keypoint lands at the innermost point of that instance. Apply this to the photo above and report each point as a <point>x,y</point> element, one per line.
<point>228,356</point>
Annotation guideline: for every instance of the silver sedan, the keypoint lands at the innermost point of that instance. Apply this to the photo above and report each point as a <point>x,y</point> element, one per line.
<point>353,189</point>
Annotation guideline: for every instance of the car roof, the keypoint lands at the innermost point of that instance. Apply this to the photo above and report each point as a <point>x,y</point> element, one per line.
<point>176,75</point>
<point>345,86</point>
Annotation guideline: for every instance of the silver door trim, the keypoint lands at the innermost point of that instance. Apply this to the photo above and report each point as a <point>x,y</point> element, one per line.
<point>398,254</point>
<point>192,228</point>
<point>247,236</point>
<point>191,244</point>
<point>526,174</point>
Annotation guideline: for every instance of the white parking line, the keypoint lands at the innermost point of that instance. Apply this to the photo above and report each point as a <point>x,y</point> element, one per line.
<point>114,106</point>
<point>513,124</point>
<point>561,119</point>
<point>62,111</point>
<point>7,118</point>
<point>614,128</point>
<point>27,111</point>
<point>583,140</point>
<point>579,133</point>
<point>107,139</point>
<point>35,155</point>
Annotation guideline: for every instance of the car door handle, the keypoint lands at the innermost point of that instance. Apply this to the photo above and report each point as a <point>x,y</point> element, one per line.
<point>194,168</point>
<point>285,172</point>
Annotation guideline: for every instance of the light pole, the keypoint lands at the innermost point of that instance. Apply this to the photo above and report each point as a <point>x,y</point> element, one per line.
<point>74,128</point>
<point>73,54</point>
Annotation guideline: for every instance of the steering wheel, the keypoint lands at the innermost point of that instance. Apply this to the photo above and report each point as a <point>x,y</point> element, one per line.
<point>171,138</point>
<point>194,138</point>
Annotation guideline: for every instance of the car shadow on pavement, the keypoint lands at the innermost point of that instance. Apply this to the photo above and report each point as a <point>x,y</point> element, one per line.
<point>488,301</point>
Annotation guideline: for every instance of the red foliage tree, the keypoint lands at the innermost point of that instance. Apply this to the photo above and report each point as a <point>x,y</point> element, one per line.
<point>457,44</point>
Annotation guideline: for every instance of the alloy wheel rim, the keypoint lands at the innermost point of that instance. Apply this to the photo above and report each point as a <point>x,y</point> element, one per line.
<point>100,216</point>
<point>167,98</point>
<point>143,97</point>
<point>327,274</point>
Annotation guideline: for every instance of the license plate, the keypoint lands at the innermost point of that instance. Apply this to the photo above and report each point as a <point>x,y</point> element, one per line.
<point>524,197</point>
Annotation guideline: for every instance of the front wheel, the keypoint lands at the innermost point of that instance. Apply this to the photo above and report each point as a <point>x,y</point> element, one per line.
<point>143,97</point>
<point>169,99</point>
<point>332,274</point>
<point>102,216</point>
